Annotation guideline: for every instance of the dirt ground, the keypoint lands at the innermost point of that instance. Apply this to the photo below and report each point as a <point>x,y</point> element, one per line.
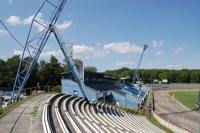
<point>173,111</point>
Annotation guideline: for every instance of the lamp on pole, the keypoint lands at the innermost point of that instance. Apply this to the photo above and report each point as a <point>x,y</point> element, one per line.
<point>199,109</point>
<point>136,76</point>
<point>198,106</point>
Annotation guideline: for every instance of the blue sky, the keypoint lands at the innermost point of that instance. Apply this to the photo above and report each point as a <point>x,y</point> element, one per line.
<point>110,34</point>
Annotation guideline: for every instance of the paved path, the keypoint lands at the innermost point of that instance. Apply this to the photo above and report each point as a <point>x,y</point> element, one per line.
<point>21,119</point>
<point>174,112</point>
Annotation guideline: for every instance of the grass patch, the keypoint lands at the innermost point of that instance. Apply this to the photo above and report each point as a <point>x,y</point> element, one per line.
<point>4,111</point>
<point>150,117</point>
<point>133,111</point>
<point>189,99</point>
<point>156,123</point>
<point>34,112</point>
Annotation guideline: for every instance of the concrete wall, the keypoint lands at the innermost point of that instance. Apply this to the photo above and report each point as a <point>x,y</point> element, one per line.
<point>169,125</point>
<point>69,87</point>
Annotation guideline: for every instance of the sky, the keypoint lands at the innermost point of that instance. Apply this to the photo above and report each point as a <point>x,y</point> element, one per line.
<point>110,34</point>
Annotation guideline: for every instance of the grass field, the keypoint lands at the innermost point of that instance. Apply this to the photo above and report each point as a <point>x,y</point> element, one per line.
<point>188,99</point>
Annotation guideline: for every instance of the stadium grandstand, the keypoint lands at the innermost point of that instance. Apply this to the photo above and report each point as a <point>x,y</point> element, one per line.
<point>100,87</point>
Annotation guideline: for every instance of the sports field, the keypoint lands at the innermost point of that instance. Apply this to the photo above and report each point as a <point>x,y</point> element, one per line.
<point>187,98</point>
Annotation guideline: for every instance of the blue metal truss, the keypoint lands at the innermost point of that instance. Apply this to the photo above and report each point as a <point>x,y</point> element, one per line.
<point>35,43</point>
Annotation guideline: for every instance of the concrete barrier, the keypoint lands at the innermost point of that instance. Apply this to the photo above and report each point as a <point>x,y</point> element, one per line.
<point>169,125</point>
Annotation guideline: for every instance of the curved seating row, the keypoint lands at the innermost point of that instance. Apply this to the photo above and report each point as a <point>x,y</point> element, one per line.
<point>76,114</point>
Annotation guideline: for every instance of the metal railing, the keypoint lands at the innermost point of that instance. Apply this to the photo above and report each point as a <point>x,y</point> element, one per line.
<point>173,86</point>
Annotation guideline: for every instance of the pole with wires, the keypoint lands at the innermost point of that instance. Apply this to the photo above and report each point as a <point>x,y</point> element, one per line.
<point>10,33</point>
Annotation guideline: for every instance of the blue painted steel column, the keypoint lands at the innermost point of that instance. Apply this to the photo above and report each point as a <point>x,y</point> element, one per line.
<point>69,61</point>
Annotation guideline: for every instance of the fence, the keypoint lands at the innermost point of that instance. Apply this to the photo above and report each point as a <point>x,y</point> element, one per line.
<point>173,86</point>
<point>5,97</point>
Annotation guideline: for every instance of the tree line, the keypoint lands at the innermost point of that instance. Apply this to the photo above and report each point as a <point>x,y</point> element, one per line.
<point>147,75</point>
<point>48,73</point>
<point>44,73</point>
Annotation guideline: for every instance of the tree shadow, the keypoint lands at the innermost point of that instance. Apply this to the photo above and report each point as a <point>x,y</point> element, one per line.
<point>175,113</point>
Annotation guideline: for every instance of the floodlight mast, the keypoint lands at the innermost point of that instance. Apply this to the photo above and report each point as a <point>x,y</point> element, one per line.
<point>35,43</point>
<point>136,76</point>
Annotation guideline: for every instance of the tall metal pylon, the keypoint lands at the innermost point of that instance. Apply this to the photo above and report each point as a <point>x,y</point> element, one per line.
<point>36,41</point>
<point>136,76</point>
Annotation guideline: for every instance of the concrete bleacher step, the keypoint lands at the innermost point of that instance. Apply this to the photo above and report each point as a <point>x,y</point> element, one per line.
<point>140,124</point>
<point>75,117</point>
<point>120,121</point>
<point>98,125</point>
<point>94,113</point>
<point>88,112</point>
<point>75,114</point>
<point>113,120</point>
<point>102,115</point>
<point>88,119</point>
<point>70,121</point>
<point>77,108</point>
<point>57,108</point>
<point>53,114</point>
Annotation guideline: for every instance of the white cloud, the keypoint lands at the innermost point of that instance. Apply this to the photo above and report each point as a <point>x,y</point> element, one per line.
<point>17,52</point>
<point>79,51</point>
<point>180,49</point>
<point>98,44</point>
<point>2,56</point>
<point>14,20</point>
<point>159,52</point>
<point>122,47</point>
<point>10,1</point>
<point>44,55</point>
<point>87,52</point>
<point>157,44</point>
<point>176,67</point>
<point>152,64</point>
<point>125,64</point>
<point>3,32</point>
<point>149,63</point>
<point>47,54</point>
<point>28,20</point>
<point>65,25</point>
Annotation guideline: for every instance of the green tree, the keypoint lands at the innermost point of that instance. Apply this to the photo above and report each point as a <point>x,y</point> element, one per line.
<point>195,76</point>
<point>3,73</point>
<point>12,66</point>
<point>183,76</point>
<point>163,75</point>
<point>90,69</point>
<point>49,73</point>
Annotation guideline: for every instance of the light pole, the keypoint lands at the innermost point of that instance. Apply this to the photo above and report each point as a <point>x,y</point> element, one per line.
<point>136,75</point>
<point>199,108</point>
